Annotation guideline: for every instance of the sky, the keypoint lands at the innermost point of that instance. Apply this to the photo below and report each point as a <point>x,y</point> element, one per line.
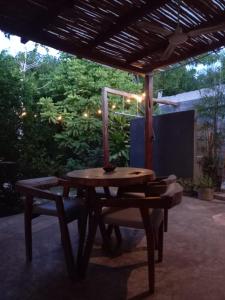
<point>13,45</point>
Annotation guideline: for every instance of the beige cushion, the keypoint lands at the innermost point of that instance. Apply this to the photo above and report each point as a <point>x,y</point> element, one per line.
<point>170,179</point>
<point>72,208</point>
<point>128,217</point>
<point>173,188</point>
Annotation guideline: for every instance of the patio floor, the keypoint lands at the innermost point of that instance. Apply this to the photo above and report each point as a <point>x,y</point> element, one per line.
<point>193,266</point>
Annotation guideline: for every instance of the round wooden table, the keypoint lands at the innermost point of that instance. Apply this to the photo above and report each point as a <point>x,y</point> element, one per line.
<point>89,179</point>
<point>119,177</point>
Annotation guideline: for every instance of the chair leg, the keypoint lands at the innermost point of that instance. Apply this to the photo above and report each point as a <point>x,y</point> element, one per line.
<point>106,234</point>
<point>82,225</point>
<point>118,234</point>
<point>67,249</point>
<point>165,219</point>
<point>28,227</point>
<point>149,231</point>
<point>92,228</point>
<point>160,242</point>
<point>65,238</point>
<point>109,230</point>
<point>93,222</point>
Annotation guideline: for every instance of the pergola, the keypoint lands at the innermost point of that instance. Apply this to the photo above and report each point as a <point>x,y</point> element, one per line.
<point>130,35</point>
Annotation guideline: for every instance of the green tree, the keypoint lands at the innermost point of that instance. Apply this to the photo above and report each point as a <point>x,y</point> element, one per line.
<point>175,80</point>
<point>211,111</point>
<point>10,103</point>
<point>73,108</point>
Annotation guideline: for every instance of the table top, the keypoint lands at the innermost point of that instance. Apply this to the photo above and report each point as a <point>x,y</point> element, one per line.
<point>118,177</point>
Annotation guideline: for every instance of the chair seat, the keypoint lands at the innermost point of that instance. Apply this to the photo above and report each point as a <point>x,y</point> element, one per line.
<point>130,217</point>
<point>72,206</point>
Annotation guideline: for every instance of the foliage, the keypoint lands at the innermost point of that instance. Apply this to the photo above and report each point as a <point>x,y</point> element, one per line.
<point>119,140</point>
<point>187,184</point>
<point>205,182</point>
<point>10,103</point>
<point>76,99</point>
<point>211,111</point>
<point>54,93</point>
<point>175,80</point>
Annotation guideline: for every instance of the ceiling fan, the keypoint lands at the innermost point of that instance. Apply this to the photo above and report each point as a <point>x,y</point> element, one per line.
<point>179,37</point>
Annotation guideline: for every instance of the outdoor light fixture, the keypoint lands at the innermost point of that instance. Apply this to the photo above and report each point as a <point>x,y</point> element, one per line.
<point>24,113</point>
<point>59,118</point>
<point>139,99</point>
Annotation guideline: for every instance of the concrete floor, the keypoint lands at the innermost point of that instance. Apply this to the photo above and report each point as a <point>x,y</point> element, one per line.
<point>193,266</point>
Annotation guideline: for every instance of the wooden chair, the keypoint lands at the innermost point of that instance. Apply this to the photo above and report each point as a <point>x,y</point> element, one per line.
<point>39,200</point>
<point>144,212</point>
<point>153,188</point>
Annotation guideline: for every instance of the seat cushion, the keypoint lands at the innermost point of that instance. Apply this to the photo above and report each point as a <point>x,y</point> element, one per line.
<point>130,217</point>
<point>73,207</point>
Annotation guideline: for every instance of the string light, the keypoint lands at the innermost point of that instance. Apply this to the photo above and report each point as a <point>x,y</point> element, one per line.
<point>23,114</point>
<point>128,100</point>
<point>139,99</point>
<point>143,95</point>
<point>35,116</point>
<point>85,115</point>
<point>59,118</point>
<point>113,106</point>
<point>99,111</point>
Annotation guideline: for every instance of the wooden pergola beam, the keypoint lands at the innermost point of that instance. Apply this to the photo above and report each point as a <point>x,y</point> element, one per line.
<point>148,121</point>
<point>127,19</point>
<point>162,46</point>
<point>42,21</point>
<point>131,95</point>
<point>49,40</point>
<point>198,51</point>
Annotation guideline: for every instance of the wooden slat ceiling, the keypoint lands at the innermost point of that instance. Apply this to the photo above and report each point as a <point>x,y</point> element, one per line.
<point>118,33</point>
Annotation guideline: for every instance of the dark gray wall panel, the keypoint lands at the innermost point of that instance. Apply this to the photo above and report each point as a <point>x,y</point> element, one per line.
<point>173,148</point>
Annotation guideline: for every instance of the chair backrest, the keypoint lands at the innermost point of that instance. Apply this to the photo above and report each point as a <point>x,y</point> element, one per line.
<point>170,197</point>
<point>42,182</point>
<point>153,188</point>
<point>37,187</point>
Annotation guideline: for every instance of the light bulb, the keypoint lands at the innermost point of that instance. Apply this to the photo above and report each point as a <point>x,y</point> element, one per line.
<point>59,118</point>
<point>139,99</point>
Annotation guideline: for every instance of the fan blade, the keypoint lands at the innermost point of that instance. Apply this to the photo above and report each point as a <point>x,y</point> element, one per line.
<point>154,28</point>
<point>167,53</point>
<point>210,29</point>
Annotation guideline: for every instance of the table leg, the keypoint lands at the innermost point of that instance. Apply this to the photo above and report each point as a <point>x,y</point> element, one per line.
<point>148,226</point>
<point>94,220</point>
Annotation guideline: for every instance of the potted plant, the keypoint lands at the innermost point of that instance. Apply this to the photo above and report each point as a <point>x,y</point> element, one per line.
<point>188,186</point>
<point>205,188</point>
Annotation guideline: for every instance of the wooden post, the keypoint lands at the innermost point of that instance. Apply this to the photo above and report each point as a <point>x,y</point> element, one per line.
<point>105,123</point>
<point>148,120</point>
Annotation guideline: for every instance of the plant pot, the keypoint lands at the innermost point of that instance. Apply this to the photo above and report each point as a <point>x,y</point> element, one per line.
<point>205,194</point>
